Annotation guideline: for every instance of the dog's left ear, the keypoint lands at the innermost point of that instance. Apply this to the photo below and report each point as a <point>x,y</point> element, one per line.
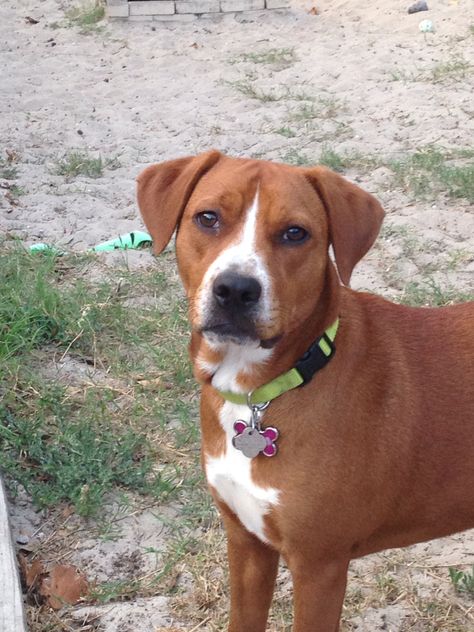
<point>163,191</point>
<point>354,215</point>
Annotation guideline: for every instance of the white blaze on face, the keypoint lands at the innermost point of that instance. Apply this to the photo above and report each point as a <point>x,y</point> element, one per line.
<point>242,257</point>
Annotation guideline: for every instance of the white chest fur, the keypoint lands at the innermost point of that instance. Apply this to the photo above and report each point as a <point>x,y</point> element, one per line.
<point>230,475</point>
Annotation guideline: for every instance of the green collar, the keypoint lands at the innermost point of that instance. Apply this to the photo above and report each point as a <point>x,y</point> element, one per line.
<point>317,356</point>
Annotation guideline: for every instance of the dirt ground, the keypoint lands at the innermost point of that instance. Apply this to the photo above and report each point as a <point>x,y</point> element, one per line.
<point>356,78</point>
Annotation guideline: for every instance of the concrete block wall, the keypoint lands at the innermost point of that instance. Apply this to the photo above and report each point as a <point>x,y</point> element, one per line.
<point>146,10</point>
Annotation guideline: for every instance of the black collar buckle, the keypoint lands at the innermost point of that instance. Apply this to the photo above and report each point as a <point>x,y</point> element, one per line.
<point>314,359</point>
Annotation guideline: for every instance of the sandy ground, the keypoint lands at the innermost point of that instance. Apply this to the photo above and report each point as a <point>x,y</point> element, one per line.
<point>139,93</point>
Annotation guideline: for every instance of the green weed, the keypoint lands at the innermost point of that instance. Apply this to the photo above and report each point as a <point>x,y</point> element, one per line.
<point>430,293</point>
<point>287,132</point>
<point>79,163</point>
<point>297,158</point>
<point>331,159</point>
<point>317,108</point>
<point>463,581</point>
<point>341,162</point>
<point>454,70</point>
<point>458,181</point>
<point>430,171</point>
<point>248,88</point>
<point>86,15</point>
<point>7,170</point>
<point>270,56</point>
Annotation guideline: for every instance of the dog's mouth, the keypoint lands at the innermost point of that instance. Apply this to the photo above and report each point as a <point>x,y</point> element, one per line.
<point>239,334</point>
<point>228,331</point>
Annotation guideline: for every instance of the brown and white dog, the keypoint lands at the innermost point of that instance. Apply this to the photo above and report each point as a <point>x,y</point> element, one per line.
<point>376,449</point>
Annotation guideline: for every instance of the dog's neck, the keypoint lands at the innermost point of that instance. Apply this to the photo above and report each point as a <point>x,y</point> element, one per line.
<point>243,368</point>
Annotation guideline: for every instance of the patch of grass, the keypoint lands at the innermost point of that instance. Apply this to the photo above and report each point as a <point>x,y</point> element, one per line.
<point>8,171</point>
<point>87,15</point>
<point>432,170</point>
<point>410,242</point>
<point>388,587</point>
<point>271,56</point>
<point>457,257</point>
<point>76,441</point>
<point>297,158</point>
<point>248,88</point>
<point>331,159</point>
<point>78,163</point>
<point>402,75</point>
<point>341,162</point>
<point>436,614</point>
<point>318,108</point>
<point>17,191</point>
<point>458,181</point>
<point>287,132</point>
<point>61,454</point>
<point>463,581</point>
<point>430,293</point>
<point>454,70</point>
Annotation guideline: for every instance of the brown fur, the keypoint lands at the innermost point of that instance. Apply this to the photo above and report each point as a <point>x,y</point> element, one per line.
<point>377,451</point>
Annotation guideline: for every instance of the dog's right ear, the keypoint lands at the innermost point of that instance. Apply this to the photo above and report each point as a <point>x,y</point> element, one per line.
<point>163,191</point>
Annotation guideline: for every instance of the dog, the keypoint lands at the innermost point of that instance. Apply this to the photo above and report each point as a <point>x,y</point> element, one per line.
<point>334,423</point>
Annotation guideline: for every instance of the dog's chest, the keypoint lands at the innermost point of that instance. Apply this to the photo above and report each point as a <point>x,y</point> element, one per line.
<point>231,476</point>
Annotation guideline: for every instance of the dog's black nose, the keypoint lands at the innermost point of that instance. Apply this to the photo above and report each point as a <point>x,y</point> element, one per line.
<point>236,292</point>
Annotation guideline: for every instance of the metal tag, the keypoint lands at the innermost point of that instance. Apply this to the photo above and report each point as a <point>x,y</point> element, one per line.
<point>252,441</point>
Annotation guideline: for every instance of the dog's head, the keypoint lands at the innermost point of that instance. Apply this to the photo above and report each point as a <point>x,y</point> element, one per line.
<point>253,237</point>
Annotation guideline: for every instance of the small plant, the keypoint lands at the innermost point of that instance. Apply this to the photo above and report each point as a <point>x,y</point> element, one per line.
<point>333,160</point>
<point>317,108</point>
<point>457,257</point>
<point>340,162</point>
<point>458,181</point>
<point>81,164</point>
<point>388,587</point>
<point>429,293</point>
<point>430,170</point>
<point>455,69</point>
<point>17,191</point>
<point>87,15</point>
<point>7,170</point>
<point>452,70</point>
<point>271,56</point>
<point>248,89</point>
<point>295,157</point>
<point>287,132</point>
<point>463,581</point>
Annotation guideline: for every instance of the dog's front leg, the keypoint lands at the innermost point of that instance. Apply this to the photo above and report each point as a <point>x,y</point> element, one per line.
<point>253,568</point>
<point>318,589</point>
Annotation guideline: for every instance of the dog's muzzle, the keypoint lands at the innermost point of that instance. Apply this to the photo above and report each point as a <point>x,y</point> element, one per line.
<point>236,293</point>
<point>235,303</point>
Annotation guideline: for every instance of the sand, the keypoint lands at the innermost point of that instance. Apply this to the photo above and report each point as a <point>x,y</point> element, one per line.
<point>359,78</point>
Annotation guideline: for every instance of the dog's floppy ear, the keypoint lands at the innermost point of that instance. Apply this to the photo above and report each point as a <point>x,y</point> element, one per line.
<point>354,215</point>
<point>163,191</point>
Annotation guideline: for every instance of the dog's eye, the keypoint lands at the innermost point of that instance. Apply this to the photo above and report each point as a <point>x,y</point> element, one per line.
<point>207,219</point>
<point>294,235</point>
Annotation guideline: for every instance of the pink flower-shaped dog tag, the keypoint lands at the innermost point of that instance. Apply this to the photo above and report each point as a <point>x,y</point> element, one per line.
<point>252,442</point>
